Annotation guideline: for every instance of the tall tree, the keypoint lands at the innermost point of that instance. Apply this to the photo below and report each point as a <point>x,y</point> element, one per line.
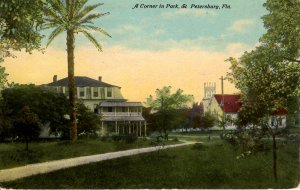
<point>268,76</point>
<point>167,107</point>
<point>72,17</point>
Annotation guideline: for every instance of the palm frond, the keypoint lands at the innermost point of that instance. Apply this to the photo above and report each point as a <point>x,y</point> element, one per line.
<point>91,17</point>
<point>86,10</point>
<point>59,7</point>
<point>79,5</point>
<point>91,38</point>
<point>97,29</point>
<point>50,13</point>
<point>49,25</point>
<point>55,33</point>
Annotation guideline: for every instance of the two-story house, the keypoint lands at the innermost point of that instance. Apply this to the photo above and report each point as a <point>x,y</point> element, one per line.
<point>117,115</point>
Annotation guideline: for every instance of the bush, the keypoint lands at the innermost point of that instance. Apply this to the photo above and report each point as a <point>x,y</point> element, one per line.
<point>130,138</point>
<point>175,139</point>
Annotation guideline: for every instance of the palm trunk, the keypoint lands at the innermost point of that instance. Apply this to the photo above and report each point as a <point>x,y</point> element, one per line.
<point>72,97</point>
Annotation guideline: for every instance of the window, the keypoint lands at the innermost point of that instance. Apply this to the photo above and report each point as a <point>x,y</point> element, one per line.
<point>102,93</point>
<point>109,109</point>
<point>81,91</point>
<point>88,92</point>
<point>59,89</point>
<point>95,92</point>
<point>109,92</point>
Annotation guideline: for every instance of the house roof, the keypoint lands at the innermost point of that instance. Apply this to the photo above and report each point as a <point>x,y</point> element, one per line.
<point>232,102</point>
<point>81,81</point>
<point>120,104</point>
<point>280,111</point>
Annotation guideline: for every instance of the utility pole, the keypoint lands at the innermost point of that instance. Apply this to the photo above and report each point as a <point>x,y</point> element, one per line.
<point>223,102</point>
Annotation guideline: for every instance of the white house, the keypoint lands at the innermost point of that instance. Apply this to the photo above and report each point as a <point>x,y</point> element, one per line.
<point>117,114</point>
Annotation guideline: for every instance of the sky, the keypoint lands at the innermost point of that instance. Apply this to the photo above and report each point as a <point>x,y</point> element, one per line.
<point>153,47</point>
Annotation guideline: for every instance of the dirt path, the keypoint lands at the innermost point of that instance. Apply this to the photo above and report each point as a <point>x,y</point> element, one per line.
<point>45,167</point>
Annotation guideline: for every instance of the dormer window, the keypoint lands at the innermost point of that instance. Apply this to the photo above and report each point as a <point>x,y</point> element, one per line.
<point>95,92</point>
<point>109,92</point>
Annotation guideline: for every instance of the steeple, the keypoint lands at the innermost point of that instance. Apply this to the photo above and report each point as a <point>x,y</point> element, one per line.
<point>209,89</point>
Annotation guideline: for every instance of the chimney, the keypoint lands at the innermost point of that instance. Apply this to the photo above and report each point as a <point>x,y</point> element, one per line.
<point>55,78</point>
<point>100,79</point>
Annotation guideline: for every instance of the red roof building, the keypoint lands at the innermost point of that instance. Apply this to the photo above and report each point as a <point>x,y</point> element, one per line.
<point>231,104</point>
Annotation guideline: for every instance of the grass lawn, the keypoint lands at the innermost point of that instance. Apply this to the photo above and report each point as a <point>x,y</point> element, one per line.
<point>13,154</point>
<point>200,166</point>
<point>198,137</point>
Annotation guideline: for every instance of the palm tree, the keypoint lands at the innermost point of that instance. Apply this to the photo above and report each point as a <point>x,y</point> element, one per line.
<point>73,17</point>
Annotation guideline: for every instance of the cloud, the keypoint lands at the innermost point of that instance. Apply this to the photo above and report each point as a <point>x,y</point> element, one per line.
<point>188,12</point>
<point>240,26</point>
<point>128,28</point>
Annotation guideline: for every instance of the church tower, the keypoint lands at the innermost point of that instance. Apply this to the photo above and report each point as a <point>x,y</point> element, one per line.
<point>209,92</point>
<point>209,89</point>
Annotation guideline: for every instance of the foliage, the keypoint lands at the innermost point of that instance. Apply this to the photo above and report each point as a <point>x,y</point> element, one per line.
<point>282,38</point>
<point>196,115</point>
<point>165,100</point>
<point>20,23</point>
<point>73,17</point>
<point>293,104</point>
<point>88,122</point>
<point>47,105</point>
<point>167,107</point>
<point>3,77</point>
<point>208,120</point>
<point>27,126</point>
<point>129,138</point>
<point>5,122</point>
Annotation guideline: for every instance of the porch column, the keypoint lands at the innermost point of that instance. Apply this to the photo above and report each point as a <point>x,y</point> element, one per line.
<point>140,126</point>
<point>116,126</point>
<point>124,128</point>
<point>129,126</point>
<point>145,128</point>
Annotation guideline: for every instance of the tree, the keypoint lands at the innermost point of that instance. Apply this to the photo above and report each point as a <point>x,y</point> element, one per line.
<point>88,122</point>
<point>269,75</point>
<point>73,17</point>
<point>167,107</point>
<point>208,120</point>
<point>49,106</point>
<point>196,115</point>
<point>266,85</point>
<point>20,23</point>
<point>27,126</point>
